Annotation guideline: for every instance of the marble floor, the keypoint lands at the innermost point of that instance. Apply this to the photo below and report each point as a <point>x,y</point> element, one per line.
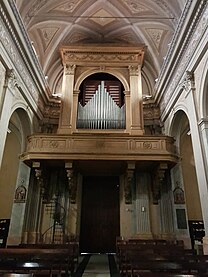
<point>97,265</point>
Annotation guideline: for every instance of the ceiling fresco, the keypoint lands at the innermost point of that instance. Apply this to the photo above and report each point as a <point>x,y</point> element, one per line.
<point>53,23</point>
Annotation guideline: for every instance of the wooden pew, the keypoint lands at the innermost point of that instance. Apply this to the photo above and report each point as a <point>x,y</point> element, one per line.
<point>74,245</point>
<point>171,253</point>
<point>167,274</point>
<point>170,263</point>
<point>147,249</point>
<point>31,260</point>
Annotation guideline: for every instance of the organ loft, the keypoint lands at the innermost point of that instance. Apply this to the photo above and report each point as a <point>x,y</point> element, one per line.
<point>100,167</point>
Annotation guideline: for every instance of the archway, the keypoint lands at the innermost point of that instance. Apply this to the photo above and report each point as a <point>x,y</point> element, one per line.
<point>184,181</point>
<point>13,173</point>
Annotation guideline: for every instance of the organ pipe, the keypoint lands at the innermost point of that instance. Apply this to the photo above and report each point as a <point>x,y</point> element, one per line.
<point>101,112</point>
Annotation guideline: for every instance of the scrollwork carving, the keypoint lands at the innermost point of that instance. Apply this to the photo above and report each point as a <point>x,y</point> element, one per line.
<point>128,186</point>
<point>147,145</point>
<point>69,69</point>
<point>12,79</point>
<point>134,70</point>
<point>188,82</point>
<point>72,185</point>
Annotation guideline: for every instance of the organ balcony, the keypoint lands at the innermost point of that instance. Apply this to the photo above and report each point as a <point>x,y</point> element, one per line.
<point>98,146</point>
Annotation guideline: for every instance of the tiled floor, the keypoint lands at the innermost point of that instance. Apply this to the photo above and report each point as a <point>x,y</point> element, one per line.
<point>97,266</point>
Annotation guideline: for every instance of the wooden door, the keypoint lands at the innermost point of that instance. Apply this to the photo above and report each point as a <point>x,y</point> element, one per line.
<point>99,214</point>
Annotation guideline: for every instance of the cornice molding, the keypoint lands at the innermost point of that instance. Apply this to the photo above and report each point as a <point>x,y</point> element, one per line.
<point>105,54</point>
<point>177,60</point>
<point>16,43</point>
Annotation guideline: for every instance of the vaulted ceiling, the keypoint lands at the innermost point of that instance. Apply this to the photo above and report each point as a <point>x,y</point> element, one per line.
<point>52,23</point>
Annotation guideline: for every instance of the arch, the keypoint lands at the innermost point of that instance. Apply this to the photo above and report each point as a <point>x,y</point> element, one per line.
<point>23,122</point>
<point>175,117</point>
<point>184,173</point>
<point>89,72</point>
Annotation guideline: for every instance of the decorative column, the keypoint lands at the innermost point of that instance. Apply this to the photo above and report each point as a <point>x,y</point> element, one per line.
<point>203,125</point>
<point>34,218</point>
<point>72,186</point>
<point>75,107</point>
<point>127,216</point>
<point>72,213</point>
<point>3,85</point>
<point>6,99</point>
<point>40,183</point>
<point>199,156</point>
<point>137,125</point>
<point>161,198</point>
<point>128,111</point>
<point>66,116</point>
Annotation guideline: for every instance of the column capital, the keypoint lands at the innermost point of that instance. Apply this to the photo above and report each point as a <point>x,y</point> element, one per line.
<point>11,78</point>
<point>134,70</point>
<point>69,69</point>
<point>188,82</point>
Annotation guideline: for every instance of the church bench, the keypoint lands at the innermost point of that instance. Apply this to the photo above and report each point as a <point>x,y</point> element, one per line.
<point>73,245</point>
<point>168,274</point>
<point>179,265</point>
<point>22,260</point>
<point>125,250</point>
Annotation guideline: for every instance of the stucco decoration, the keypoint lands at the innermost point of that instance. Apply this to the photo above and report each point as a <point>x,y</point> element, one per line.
<point>187,49</point>
<point>156,35</point>
<point>135,7</point>
<point>47,34</point>
<point>35,7</point>
<point>67,7</point>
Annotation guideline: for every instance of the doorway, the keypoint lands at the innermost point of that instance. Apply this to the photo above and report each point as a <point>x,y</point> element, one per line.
<point>100,220</point>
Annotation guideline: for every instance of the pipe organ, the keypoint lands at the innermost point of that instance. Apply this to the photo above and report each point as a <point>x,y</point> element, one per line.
<point>101,112</point>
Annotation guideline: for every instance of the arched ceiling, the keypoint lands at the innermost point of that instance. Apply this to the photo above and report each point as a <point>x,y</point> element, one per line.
<point>53,23</point>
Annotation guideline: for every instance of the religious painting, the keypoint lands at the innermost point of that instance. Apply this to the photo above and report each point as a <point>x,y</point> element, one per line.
<point>178,194</point>
<point>20,194</point>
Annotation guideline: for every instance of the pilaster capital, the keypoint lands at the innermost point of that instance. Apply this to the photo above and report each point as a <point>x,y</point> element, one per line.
<point>134,70</point>
<point>11,78</point>
<point>69,69</point>
<point>188,82</point>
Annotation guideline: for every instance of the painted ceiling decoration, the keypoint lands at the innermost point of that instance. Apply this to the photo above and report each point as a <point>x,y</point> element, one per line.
<point>51,24</point>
